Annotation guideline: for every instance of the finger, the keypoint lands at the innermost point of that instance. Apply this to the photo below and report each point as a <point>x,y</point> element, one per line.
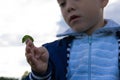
<point>28,49</point>
<point>28,40</point>
<point>28,57</point>
<point>31,60</point>
<point>29,43</point>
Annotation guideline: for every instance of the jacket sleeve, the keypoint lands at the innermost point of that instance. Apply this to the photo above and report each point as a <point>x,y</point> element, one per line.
<point>37,76</point>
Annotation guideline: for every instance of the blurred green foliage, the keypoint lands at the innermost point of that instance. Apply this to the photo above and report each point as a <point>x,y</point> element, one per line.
<point>7,78</point>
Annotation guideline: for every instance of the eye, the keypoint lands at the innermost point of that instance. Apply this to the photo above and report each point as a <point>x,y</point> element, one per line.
<point>62,4</point>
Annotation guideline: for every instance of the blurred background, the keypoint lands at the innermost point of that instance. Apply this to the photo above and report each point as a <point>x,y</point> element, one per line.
<point>41,19</point>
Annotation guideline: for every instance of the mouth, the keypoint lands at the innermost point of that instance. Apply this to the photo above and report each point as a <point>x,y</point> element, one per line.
<point>73,18</point>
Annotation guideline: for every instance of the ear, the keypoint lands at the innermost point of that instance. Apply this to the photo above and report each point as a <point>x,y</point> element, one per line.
<point>104,3</point>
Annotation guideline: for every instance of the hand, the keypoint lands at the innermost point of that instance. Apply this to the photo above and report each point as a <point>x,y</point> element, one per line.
<point>37,57</point>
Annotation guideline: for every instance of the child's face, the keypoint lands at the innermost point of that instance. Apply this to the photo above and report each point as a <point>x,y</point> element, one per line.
<point>81,15</point>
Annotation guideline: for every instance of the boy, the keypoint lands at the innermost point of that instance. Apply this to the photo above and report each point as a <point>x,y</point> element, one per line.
<point>89,50</point>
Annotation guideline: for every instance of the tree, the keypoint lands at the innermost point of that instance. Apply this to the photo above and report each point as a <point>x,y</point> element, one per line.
<point>24,75</point>
<point>7,78</point>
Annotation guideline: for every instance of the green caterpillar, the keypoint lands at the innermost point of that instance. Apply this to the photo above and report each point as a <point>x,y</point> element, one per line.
<point>27,37</point>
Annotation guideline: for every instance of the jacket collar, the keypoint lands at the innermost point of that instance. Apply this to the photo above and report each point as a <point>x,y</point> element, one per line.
<point>111,26</point>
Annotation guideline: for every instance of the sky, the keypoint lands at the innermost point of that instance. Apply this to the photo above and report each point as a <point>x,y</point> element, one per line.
<point>39,18</point>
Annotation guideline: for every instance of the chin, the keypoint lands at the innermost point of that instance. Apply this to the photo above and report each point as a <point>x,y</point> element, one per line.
<point>78,29</point>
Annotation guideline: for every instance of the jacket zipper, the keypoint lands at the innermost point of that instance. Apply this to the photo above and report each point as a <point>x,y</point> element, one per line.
<point>89,57</point>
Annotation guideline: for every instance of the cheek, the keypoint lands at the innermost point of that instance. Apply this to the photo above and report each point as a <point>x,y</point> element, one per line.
<point>91,9</point>
<point>64,14</point>
<point>65,18</point>
<point>91,14</point>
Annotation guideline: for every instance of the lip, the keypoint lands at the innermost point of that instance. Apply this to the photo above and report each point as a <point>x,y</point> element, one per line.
<point>73,18</point>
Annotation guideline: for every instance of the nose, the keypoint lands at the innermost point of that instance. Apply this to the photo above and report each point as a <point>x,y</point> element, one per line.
<point>70,6</point>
